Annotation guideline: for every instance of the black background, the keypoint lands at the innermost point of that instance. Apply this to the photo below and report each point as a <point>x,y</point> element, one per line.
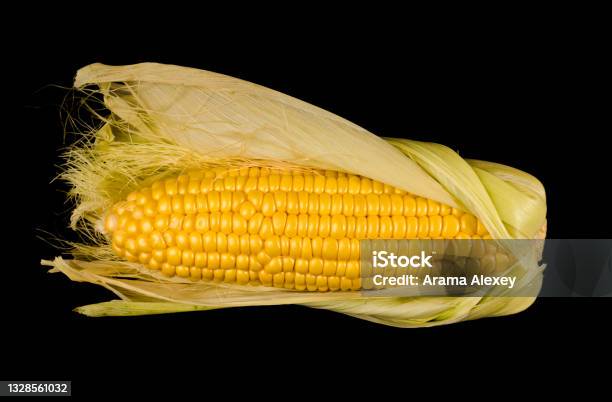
<point>522,93</point>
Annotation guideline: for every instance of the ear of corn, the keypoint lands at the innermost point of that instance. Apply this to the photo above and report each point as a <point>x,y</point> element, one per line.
<point>219,185</point>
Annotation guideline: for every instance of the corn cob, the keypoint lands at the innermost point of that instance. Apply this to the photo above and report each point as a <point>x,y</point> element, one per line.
<point>273,227</point>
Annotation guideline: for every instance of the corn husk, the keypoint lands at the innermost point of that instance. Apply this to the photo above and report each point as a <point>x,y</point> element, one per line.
<point>165,120</point>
